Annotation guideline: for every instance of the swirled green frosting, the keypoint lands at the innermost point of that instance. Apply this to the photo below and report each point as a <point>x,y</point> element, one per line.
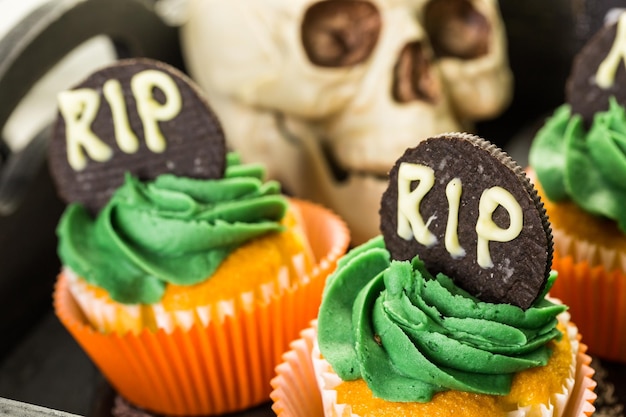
<point>409,334</point>
<point>587,166</point>
<point>170,230</point>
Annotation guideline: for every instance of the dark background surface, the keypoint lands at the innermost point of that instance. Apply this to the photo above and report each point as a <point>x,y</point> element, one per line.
<point>41,364</point>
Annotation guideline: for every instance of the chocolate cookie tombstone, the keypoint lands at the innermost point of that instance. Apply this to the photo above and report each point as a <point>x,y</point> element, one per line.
<point>599,72</point>
<point>138,116</point>
<point>469,211</point>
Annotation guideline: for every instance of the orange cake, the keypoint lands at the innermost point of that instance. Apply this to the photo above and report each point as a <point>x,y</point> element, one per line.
<point>446,313</point>
<point>295,388</point>
<point>596,231</point>
<point>530,389</point>
<point>577,162</point>
<point>286,260</point>
<point>185,273</point>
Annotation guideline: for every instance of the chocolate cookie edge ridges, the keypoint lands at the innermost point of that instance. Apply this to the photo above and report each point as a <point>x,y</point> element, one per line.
<point>388,207</point>
<point>209,161</point>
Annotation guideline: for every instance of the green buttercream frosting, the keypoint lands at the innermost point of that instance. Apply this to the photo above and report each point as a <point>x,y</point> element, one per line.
<point>587,166</point>
<point>171,230</point>
<point>409,334</point>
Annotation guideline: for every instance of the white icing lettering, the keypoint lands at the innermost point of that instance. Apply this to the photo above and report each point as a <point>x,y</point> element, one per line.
<point>453,193</point>
<point>79,108</point>
<point>150,110</point>
<point>412,225</point>
<point>125,137</point>
<point>410,222</point>
<point>487,230</point>
<point>605,76</point>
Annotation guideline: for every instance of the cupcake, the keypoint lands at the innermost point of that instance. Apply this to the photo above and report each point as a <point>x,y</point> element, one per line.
<point>577,161</point>
<point>185,274</point>
<point>445,313</point>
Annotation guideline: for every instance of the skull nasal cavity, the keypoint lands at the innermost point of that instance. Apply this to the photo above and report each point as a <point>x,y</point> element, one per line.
<point>413,77</point>
<point>457,29</point>
<point>339,33</point>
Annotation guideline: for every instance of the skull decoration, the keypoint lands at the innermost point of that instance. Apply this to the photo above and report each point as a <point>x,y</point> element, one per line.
<point>328,94</point>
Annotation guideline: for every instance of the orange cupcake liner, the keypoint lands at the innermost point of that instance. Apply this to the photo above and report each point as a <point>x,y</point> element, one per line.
<point>296,390</point>
<point>592,282</point>
<point>597,302</point>
<point>225,366</point>
<point>584,251</point>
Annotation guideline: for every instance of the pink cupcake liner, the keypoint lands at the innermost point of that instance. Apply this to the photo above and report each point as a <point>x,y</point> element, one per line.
<point>296,391</point>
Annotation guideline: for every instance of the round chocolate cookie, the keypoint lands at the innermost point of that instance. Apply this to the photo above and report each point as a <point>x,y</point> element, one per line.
<point>469,211</point>
<point>583,93</point>
<point>138,116</point>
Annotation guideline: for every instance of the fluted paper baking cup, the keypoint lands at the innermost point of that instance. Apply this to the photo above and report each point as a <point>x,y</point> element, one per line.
<point>225,365</point>
<point>296,391</point>
<point>597,302</point>
<point>584,251</point>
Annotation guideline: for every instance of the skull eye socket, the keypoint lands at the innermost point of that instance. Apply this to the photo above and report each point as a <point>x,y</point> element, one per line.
<point>413,78</point>
<point>457,29</point>
<point>340,33</point>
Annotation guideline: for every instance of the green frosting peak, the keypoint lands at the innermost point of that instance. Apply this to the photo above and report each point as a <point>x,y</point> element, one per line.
<point>409,334</point>
<point>585,166</point>
<point>171,230</point>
